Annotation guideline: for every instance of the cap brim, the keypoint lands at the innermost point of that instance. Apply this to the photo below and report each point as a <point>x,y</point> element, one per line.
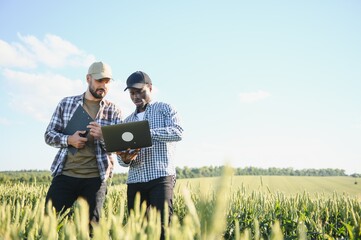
<point>136,85</point>
<point>98,76</point>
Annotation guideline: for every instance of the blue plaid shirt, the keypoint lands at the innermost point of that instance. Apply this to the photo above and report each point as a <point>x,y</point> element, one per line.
<point>156,161</point>
<point>108,114</point>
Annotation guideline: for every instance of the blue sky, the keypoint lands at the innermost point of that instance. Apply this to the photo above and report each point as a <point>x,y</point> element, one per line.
<point>257,83</point>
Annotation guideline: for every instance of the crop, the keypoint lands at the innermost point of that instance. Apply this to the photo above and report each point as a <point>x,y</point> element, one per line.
<point>220,212</point>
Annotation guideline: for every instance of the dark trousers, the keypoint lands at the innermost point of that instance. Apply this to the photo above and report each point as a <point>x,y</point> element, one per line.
<point>155,193</point>
<point>65,190</point>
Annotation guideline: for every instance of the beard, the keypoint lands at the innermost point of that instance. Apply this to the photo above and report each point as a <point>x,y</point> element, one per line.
<point>95,94</point>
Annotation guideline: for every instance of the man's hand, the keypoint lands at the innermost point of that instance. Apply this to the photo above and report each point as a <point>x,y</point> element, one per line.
<point>95,130</point>
<point>129,155</point>
<point>76,140</point>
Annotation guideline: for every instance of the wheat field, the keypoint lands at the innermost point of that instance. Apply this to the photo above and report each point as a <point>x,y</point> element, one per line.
<point>229,207</point>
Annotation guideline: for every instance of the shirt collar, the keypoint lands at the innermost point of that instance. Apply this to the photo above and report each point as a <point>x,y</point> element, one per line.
<point>148,105</point>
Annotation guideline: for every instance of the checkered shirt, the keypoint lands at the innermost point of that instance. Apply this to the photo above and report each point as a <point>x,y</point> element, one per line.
<point>156,161</point>
<point>108,114</point>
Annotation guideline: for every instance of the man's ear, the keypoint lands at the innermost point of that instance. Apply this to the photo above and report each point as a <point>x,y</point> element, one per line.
<point>150,86</point>
<point>88,78</point>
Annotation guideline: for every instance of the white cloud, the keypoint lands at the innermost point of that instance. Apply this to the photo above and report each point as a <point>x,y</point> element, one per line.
<point>38,94</point>
<point>117,95</point>
<point>15,55</point>
<point>55,52</point>
<point>52,51</point>
<point>357,126</point>
<point>4,121</point>
<point>253,96</point>
<point>30,90</point>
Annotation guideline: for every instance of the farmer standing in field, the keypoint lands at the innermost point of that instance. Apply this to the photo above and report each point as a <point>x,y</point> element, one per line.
<point>83,171</point>
<point>152,170</point>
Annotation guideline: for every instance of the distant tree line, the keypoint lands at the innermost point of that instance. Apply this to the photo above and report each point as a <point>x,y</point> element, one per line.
<point>26,176</point>
<point>216,171</point>
<point>42,176</point>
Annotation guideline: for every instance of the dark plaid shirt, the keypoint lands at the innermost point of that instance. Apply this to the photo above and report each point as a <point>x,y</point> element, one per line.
<point>108,114</point>
<point>156,161</point>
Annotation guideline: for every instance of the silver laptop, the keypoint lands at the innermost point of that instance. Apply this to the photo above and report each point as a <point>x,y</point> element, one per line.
<point>133,135</point>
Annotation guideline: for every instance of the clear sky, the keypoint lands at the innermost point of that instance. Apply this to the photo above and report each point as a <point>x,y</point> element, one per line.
<point>257,83</point>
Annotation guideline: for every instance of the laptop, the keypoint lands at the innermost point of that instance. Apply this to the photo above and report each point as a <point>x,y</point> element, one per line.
<point>133,135</point>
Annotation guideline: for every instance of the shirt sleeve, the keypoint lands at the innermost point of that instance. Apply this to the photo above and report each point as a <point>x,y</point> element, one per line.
<point>53,134</point>
<point>121,163</point>
<point>115,117</point>
<point>169,128</point>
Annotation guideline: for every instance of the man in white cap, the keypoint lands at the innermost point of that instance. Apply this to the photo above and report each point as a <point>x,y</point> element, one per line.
<point>83,172</point>
<point>152,170</point>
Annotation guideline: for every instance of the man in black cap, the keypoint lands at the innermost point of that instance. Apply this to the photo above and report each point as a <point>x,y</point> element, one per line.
<point>152,170</point>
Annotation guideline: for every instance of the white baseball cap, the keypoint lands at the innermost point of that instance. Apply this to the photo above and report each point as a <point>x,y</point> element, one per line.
<point>100,70</point>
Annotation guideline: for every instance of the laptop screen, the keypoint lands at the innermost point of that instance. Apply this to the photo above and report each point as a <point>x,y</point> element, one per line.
<point>123,136</point>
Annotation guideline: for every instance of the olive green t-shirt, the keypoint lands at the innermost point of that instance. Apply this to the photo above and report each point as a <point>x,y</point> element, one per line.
<point>83,164</point>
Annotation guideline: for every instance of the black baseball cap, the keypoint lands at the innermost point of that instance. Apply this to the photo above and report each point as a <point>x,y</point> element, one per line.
<point>138,80</point>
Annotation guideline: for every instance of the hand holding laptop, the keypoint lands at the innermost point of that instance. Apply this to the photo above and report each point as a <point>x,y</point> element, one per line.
<point>129,155</point>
